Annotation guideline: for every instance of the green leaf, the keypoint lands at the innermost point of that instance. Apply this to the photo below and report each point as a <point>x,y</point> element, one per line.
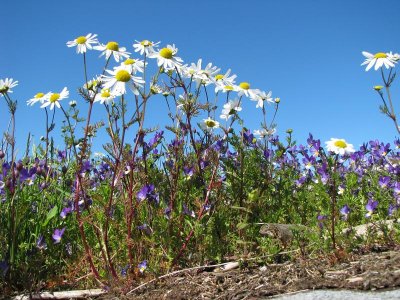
<point>50,215</point>
<point>242,225</point>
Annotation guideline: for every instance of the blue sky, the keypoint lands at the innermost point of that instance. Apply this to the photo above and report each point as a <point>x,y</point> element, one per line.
<point>307,52</point>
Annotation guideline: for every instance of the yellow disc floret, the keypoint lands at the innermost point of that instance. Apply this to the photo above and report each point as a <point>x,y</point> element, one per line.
<point>228,88</point>
<point>123,76</point>
<point>39,95</point>
<point>54,97</point>
<point>210,123</point>
<point>340,144</point>
<point>166,53</point>
<point>81,40</point>
<point>380,55</point>
<point>219,77</point>
<point>129,61</point>
<point>378,87</point>
<point>146,43</point>
<point>245,85</point>
<point>112,46</point>
<point>105,93</point>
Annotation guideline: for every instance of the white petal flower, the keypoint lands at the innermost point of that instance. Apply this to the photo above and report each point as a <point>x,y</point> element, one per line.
<point>145,46</point>
<point>112,48</point>
<point>199,75</point>
<point>230,108</point>
<point>261,97</point>
<point>105,96</point>
<point>262,133</point>
<point>166,58</point>
<point>83,43</point>
<point>339,146</point>
<point>39,97</point>
<point>379,59</point>
<point>221,80</point>
<point>118,81</point>
<point>54,99</point>
<point>6,85</point>
<point>132,65</point>
<point>209,124</point>
<point>244,89</point>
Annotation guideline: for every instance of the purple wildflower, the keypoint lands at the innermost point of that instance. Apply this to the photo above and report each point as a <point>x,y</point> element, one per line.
<point>384,181</point>
<point>145,228</point>
<point>147,192</point>
<point>41,243</point>
<point>57,235</point>
<point>65,211</point>
<point>370,207</point>
<point>187,211</point>
<point>142,266</point>
<point>188,171</point>
<point>344,211</point>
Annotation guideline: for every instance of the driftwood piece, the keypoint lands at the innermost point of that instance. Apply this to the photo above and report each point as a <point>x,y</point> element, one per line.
<point>78,294</point>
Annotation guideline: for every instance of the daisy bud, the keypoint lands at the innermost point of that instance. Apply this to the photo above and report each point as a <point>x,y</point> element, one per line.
<point>378,88</point>
<point>277,100</point>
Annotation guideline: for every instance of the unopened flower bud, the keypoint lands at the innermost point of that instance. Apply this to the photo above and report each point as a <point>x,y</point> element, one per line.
<point>277,100</point>
<point>378,88</point>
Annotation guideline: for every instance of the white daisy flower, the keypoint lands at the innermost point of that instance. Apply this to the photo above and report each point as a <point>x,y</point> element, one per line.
<point>244,89</point>
<point>339,146</point>
<point>145,46</point>
<point>6,85</point>
<point>105,96</point>
<point>221,80</point>
<point>166,57</point>
<point>54,99</point>
<point>261,97</point>
<point>114,49</point>
<point>72,103</point>
<point>262,133</point>
<point>83,43</point>
<point>379,59</point>
<point>209,124</point>
<point>39,97</point>
<point>230,108</point>
<point>132,65</point>
<point>118,81</point>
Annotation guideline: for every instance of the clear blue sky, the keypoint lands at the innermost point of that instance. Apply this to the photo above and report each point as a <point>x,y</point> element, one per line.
<point>307,52</point>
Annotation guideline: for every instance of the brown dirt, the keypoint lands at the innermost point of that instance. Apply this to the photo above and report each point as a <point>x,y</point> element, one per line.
<point>369,269</point>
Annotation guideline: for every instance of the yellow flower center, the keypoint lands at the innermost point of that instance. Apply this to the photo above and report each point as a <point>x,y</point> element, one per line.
<point>340,144</point>
<point>210,123</point>
<point>4,89</point>
<point>244,85</point>
<point>123,76</point>
<point>146,43</point>
<point>228,88</point>
<point>54,97</point>
<point>81,40</point>
<point>277,100</point>
<point>129,61</point>
<point>112,46</point>
<point>39,95</point>
<point>378,87</point>
<point>380,55</point>
<point>105,93</point>
<point>166,53</point>
<point>219,77</point>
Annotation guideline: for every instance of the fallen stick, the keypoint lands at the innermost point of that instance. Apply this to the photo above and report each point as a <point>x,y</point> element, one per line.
<point>78,294</point>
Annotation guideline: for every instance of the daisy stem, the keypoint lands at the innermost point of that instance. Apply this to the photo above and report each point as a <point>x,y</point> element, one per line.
<point>392,113</point>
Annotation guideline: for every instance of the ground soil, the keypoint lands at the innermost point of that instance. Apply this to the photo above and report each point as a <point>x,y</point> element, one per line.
<point>377,267</point>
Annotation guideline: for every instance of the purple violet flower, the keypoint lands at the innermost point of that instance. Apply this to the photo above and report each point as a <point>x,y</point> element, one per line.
<point>142,266</point>
<point>344,211</point>
<point>57,235</point>
<point>384,181</point>
<point>41,243</point>
<point>370,207</point>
